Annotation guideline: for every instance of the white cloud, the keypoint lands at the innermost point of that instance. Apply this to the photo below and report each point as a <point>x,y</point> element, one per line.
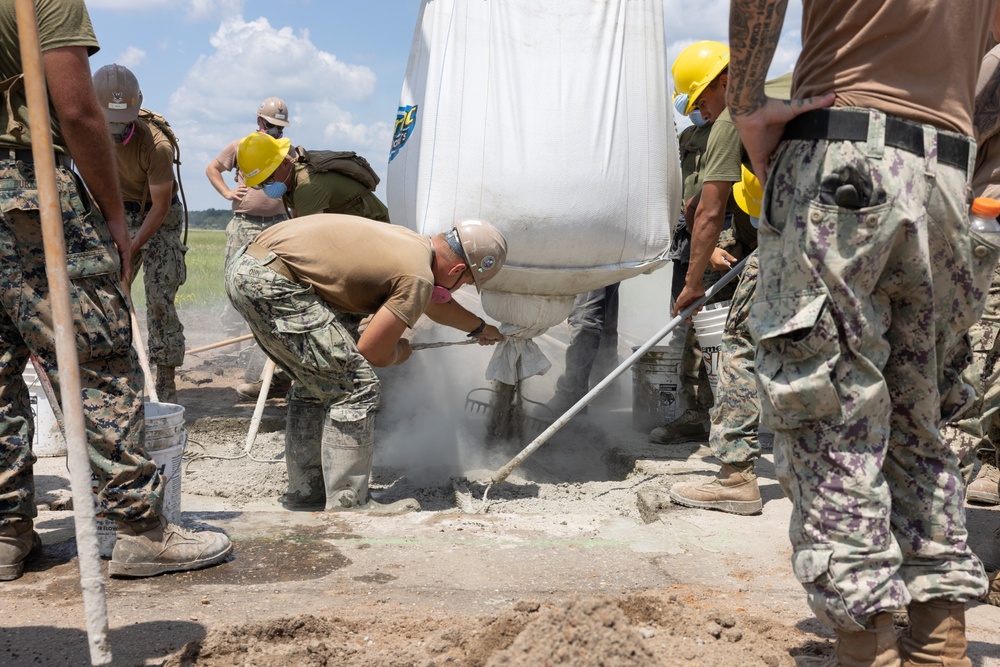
<point>132,57</point>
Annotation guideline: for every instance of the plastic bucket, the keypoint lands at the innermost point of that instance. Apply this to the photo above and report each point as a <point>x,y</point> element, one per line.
<point>166,438</point>
<point>656,388</point>
<point>49,440</point>
<point>708,327</point>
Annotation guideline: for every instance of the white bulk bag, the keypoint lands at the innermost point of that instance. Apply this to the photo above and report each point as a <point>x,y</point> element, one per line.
<point>551,119</point>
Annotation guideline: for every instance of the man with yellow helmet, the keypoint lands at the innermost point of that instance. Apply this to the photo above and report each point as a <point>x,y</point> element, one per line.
<point>271,165</point>
<point>701,71</point>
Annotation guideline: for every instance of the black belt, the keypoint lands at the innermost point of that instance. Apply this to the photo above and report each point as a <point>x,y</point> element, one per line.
<point>849,125</point>
<point>263,219</point>
<point>259,252</point>
<point>136,207</point>
<point>25,155</point>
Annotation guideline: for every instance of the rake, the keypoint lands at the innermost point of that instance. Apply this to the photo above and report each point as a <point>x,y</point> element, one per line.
<point>481,406</point>
<point>464,495</point>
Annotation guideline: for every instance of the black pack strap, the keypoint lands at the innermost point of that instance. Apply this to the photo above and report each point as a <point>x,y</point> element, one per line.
<point>850,125</point>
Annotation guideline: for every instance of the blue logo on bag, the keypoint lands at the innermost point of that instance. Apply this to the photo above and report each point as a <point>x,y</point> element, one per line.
<point>406,118</point>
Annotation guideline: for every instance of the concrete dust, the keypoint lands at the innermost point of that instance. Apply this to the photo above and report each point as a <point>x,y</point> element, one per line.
<point>578,560</point>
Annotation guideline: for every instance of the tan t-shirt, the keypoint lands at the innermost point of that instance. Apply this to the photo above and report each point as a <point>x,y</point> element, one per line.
<point>254,202</point>
<point>986,177</point>
<point>916,59</point>
<point>357,265</point>
<point>147,159</point>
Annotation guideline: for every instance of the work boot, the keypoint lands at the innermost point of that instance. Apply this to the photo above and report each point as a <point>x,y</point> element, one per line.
<point>984,487</point>
<point>19,543</point>
<point>348,450</point>
<point>166,390</point>
<point>156,546</point>
<point>732,490</point>
<point>993,594</point>
<point>936,635</point>
<point>303,456</point>
<point>251,390</point>
<point>691,426</point>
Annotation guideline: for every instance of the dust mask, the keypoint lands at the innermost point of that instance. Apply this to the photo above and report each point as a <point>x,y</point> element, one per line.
<point>275,190</point>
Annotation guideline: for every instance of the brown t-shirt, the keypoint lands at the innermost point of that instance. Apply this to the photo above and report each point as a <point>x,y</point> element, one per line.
<point>357,265</point>
<point>916,59</point>
<point>147,159</point>
<point>254,202</point>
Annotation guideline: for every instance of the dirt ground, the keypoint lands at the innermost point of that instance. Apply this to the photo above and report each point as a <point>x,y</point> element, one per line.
<point>574,560</point>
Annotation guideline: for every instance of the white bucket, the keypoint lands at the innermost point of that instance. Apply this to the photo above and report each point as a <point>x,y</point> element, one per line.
<point>656,388</point>
<point>49,440</point>
<point>165,442</point>
<point>708,327</point>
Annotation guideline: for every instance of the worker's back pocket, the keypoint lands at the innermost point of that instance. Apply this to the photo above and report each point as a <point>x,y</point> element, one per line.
<point>797,352</point>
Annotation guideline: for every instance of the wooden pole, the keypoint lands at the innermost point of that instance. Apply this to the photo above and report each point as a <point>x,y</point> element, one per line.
<point>221,343</point>
<point>78,460</point>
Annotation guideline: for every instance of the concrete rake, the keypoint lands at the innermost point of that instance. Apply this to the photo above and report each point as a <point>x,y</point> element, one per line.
<point>463,494</point>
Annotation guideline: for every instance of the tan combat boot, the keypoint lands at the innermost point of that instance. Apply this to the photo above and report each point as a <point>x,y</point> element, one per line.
<point>166,390</point>
<point>19,543</point>
<point>984,488</point>
<point>692,426</point>
<point>734,489</point>
<point>156,546</point>
<point>936,635</point>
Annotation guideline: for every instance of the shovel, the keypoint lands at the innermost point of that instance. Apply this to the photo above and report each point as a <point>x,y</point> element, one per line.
<point>464,496</point>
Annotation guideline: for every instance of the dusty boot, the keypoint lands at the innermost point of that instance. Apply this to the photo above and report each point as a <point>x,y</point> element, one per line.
<point>251,390</point>
<point>691,426</point>
<point>984,487</point>
<point>19,543</point>
<point>936,635</point>
<point>734,490</point>
<point>303,456</point>
<point>156,546</point>
<point>993,594</point>
<point>348,448</point>
<point>166,390</point>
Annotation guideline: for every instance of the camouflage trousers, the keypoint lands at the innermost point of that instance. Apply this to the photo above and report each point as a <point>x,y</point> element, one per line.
<point>130,486</point>
<point>163,260</point>
<point>860,321</point>
<point>736,413</point>
<point>969,433</point>
<point>592,352</point>
<point>239,232</point>
<point>305,336</point>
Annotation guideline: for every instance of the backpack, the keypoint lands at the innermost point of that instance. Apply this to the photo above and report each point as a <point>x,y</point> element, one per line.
<point>161,124</point>
<point>347,163</point>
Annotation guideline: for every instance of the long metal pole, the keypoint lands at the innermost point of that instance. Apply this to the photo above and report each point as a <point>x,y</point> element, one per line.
<point>543,437</point>
<point>91,576</point>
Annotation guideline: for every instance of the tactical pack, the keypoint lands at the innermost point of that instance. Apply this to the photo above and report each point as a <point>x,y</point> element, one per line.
<point>161,124</point>
<point>347,163</point>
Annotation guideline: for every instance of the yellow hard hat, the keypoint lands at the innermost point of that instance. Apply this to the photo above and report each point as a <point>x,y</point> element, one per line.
<point>258,155</point>
<point>748,193</point>
<point>696,67</point>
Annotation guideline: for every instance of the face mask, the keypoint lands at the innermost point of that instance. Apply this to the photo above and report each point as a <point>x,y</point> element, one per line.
<point>121,132</point>
<point>275,131</point>
<point>755,222</point>
<point>440,295</point>
<point>695,117</point>
<point>275,190</point>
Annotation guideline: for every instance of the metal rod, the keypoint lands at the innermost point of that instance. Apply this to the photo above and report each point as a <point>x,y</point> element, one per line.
<point>68,362</point>
<point>542,438</point>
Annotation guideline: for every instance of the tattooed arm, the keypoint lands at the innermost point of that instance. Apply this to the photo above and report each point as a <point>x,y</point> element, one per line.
<point>754,28</point>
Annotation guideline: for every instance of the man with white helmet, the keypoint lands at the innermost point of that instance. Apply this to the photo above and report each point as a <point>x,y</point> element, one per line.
<point>295,283</point>
<point>145,159</point>
<point>253,212</point>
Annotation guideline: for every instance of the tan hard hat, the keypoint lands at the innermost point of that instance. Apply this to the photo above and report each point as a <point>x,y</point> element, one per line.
<point>485,249</point>
<point>274,111</point>
<point>118,93</point>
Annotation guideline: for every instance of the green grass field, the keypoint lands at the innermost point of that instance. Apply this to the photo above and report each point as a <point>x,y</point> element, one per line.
<point>204,286</point>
